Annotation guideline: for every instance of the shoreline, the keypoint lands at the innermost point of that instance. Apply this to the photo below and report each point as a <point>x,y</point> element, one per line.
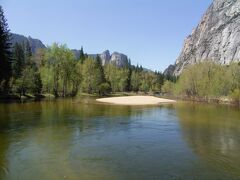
<point>221,101</point>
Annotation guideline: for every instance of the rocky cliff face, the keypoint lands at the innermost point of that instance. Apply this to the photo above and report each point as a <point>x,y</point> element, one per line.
<point>216,38</point>
<point>119,59</point>
<point>116,58</point>
<point>34,43</point>
<point>105,57</point>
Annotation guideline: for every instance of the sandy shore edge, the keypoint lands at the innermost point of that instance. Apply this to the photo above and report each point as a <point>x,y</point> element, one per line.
<point>135,100</point>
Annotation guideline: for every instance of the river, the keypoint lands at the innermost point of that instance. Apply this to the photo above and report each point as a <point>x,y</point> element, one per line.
<point>83,139</point>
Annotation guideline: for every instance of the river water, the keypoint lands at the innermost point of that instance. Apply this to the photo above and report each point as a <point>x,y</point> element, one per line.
<point>83,139</point>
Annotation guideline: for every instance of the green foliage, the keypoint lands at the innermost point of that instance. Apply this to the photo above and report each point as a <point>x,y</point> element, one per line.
<point>104,89</point>
<point>28,82</point>
<point>28,53</point>
<point>25,75</point>
<point>18,62</point>
<point>82,56</point>
<point>58,71</point>
<point>76,77</point>
<point>135,81</point>
<point>37,83</point>
<point>47,74</point>
<point>92,76</point>
<point>235,95</point>
<point>168,87</point>
<point>117,77</point>
<point>5,54</point>
<point>100,67</point>
<point>208,80</point>
<point>158,82</point>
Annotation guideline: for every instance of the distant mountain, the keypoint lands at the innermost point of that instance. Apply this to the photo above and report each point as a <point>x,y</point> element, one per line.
<point>169,71</point>
<point>216,38</point>
<point>117,58</point>
<point>34,43</point>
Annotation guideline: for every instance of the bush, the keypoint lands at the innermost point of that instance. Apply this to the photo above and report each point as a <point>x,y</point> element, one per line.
<point>235,95</point>
<point>104,89</point>
<point>168,87</point>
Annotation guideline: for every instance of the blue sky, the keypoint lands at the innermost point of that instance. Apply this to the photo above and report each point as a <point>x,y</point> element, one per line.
<point>150,32</point>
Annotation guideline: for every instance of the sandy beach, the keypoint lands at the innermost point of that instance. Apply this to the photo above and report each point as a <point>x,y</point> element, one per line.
<point>135,100</point>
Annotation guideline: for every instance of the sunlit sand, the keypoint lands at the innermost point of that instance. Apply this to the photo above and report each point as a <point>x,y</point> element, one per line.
<point>135,100</point>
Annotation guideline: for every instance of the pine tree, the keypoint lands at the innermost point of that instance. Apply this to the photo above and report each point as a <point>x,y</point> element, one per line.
<point>28,53</point>
<point>100,67</point>
<point>37,87</point>
<point>18,62</point>
<point>5,54</point>
<point>82,56</point>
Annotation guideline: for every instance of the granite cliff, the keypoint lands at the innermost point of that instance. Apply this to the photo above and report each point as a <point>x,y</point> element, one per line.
<point>116,58</point>
<point>216,38</point>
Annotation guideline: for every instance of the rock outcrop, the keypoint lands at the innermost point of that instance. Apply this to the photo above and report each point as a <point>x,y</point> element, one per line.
<point>119,59</point>
<point>105,57</point>
<point>116,58</point>
<point>216,38</point>
<point>169,71</point>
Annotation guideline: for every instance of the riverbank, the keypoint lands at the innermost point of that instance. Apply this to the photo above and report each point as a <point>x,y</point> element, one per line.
<point>213,100</point>
<point>125,95</point>
<point>135,100</point>
<point>26,97</point>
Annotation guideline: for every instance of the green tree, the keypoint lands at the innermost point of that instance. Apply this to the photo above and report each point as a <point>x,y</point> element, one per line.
<point>111,76</point>
<point>104,89</point>
<point>135,80</point>
<point>59,64</point>
<point>47,75</point>
<point>18,62</point>
<point>123,75</point>
<point>28,53</point>
<point>91,76</point>
<point>168,87</point>
<point>82,56</point>
<point>100,67</point>
<point>25,83</point>
<point>5,54</point>
<point>158,81</point>
<point>117,77</point>
<point>76,78</point>
<point>209,80</point>
<point>147,81</point>
<point>37,84</point>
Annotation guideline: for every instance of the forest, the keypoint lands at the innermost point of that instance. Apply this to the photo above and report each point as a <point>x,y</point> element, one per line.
<point>57,71</point>
<point>206,81</point>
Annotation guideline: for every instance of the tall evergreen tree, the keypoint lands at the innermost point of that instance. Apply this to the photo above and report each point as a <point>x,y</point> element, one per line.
<point>82,56</point>
<point>18,62</point>
<point>100,67</point>
<point>5,54</point>
<point>28,53</point>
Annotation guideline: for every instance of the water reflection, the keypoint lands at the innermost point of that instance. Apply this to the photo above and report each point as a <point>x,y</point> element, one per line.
<point>80,138</point>
<point>213,133</point>
<point>35,137</point>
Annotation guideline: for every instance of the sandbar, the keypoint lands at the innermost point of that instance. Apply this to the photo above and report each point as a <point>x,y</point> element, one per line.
<point>136,100</point>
